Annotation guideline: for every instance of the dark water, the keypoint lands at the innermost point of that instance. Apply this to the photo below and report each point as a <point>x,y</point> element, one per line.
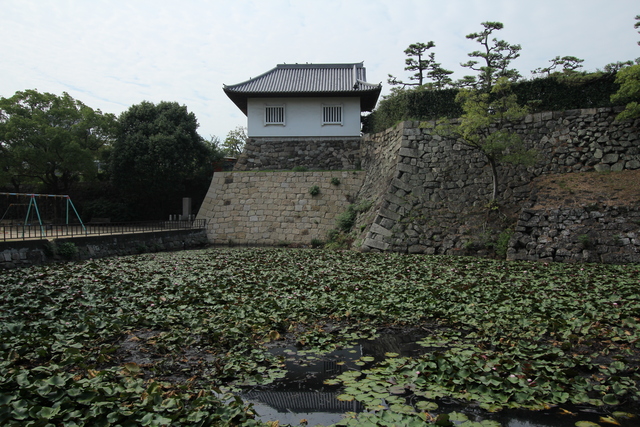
<point>302,394</point>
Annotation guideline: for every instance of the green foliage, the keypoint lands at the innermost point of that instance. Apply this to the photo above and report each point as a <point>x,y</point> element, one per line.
<point>341,237</point>
<point>300,169</point>
<point>50,140</point>
<point>104,207</point>
<point>419,65</point>
<point>493,59</point>
<point>158,158</point>
<point>555,93</point>
<point>569,65</point>
<point>235,141</point>
<point>335,181</point>
<point>585,240</point>
<point>412,104</point>
<point>424,68</point>
<point>502,244</point>
<point>560,92</point>
<point>314,190</point>
<point>163,338</point>
<point>346,220</point>
<point>316,243</point>
<point>482,127</point>
<point>338,240</point>
<point>629,80</point>
<point>67,250</point>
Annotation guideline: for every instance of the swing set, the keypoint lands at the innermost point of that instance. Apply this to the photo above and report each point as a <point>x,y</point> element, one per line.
<point>32,209</point>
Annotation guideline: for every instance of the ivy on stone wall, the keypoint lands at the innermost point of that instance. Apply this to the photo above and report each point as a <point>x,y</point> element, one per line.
<point>555,93</point>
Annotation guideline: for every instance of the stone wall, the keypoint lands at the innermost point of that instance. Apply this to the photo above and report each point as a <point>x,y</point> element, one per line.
<point>596,233</point>
<point>435,201</point>
<point>429,194</point>
<point>312,153</point>
<point>25,253</point>
<point>272,208</point>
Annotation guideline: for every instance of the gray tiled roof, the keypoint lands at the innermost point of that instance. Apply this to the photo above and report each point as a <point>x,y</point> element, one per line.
<point>288,80</point>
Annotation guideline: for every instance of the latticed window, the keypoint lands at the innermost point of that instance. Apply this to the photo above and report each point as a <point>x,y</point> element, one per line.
<point>274,115</point>
<point>332,114</point>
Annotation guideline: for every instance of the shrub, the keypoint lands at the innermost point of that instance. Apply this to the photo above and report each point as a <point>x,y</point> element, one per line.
<point>363,206</point>
<point>300,169</point>
<point>338,240</point>
<point>346,219</point>
<point>316,243</point>
<point>67,250</point>
<point>503,242</point>
<point>584,240</point>
<point>49,249</point>
<point>314,190</point>
<point>335,181</point>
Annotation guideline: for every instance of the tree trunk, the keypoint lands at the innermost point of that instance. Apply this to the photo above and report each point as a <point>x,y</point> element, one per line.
<point>494,175</point>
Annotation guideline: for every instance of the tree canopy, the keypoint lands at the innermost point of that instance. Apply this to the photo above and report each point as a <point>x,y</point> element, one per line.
<point>424,68</point>
<point>234,143</point>
<point>629,80</point>
<point>494,57</point>
<point>490,105</point>
<point>158,158</point>
<point>482,127</point>
<point>569,65</point>
<point>50,140</point>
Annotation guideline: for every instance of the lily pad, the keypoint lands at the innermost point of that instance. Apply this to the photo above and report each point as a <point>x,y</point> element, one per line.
<point>610,399</point>
<point>345,397</point>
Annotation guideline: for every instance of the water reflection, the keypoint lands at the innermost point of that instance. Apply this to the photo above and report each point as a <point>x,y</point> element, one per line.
<point>302,394</point>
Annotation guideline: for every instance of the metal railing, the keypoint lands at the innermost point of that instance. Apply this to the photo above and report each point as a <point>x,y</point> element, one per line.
<point>54,231</point>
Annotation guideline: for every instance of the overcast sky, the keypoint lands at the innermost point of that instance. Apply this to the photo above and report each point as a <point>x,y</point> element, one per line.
<point>111,54</point>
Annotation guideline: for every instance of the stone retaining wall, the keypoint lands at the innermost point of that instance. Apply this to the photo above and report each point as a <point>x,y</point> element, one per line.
<point>273,208</point>
<point>25,253</point>
<point>597,233</point>
<point>435,201</point>
<point>312,153</point>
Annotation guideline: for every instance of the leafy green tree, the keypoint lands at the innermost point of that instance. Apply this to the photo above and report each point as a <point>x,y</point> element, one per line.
<point>628,77</point>
<point>50,140</point>
<point>214,143</point>
<point>490,106</point>
<point>158,158</point>
<point>484,126</point>
<point>424,67</point>
<point>234,143</point>
<point>494,58</point>
<point>629,80</point>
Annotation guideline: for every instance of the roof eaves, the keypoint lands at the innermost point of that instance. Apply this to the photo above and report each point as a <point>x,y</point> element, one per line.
<point>252,88</point>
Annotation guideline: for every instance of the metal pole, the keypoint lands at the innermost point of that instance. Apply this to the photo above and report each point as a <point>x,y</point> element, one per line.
<point>35,205</point>
<point>69,202</point>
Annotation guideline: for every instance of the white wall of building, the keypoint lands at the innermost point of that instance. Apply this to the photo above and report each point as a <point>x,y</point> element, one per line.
<point>303,117</point>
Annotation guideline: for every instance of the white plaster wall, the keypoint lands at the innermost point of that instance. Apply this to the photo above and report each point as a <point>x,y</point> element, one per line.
<point>303,117</point>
